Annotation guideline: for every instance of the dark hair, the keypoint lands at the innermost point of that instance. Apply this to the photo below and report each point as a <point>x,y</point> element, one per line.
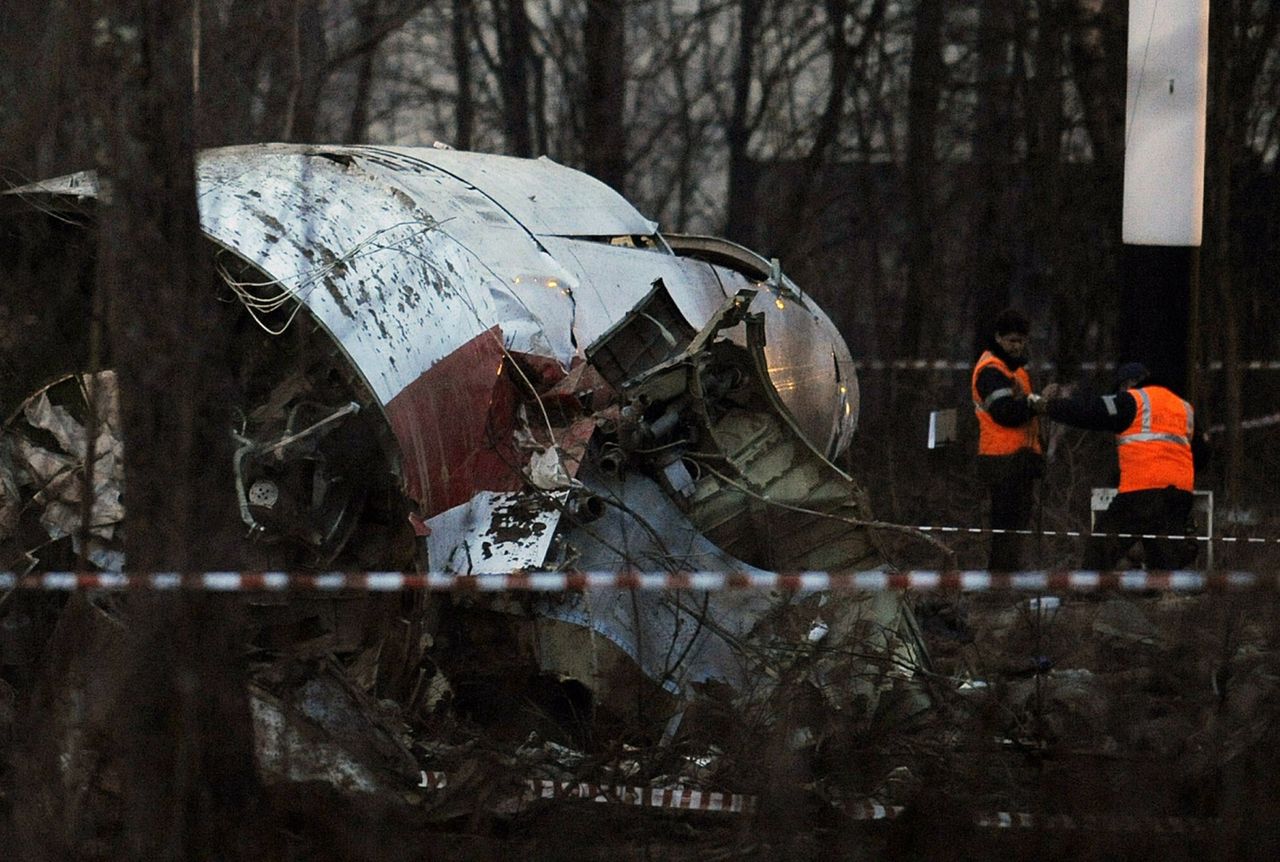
<point>1011,320</point>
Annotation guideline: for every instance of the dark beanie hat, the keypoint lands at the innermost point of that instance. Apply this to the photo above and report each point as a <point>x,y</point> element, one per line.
<point>1135,371</point>
<point>1011,320</point>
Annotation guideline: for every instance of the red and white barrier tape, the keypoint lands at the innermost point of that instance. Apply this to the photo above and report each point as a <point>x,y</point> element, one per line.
<point>690,799</point>
<point>1080,534</point>
<point>1041,581</point>
<point>1095,822</point>
<point>675,798</point>
<point>962,365</point>
<point>1249,424</point>
<point>869,809</point>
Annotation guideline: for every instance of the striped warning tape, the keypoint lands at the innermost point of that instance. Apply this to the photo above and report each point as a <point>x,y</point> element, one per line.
<point>962,365</point>
<point>1077,534</point>
<point>869,809</point>
<point>875,580</point>
<point>1096,822</point>
<point>690,799</point>
<point>1249,424</point>
<point>682,798</point>
<point>675,798</point>
<point>1083,534</point>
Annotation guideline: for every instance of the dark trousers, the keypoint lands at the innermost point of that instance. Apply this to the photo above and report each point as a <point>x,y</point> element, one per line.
<point>1012,499</point>
<point>1158,511</point>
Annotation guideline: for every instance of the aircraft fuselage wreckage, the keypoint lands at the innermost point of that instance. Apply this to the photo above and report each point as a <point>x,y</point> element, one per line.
<point>498,364</point>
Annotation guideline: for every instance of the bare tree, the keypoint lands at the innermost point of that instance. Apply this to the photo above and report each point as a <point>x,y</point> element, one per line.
<point>462,24</point>
<point>921,180</point>
<point>740,197</point>
<point>1243,44</point>
<point>514,65</point>
<point>44,100</point>
<point>366,21</point>
<point>991,246</point>
<point>187,745</point>
<point>605,143</point>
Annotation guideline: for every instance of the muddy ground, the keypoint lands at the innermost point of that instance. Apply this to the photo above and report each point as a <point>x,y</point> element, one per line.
<point>1134,727</point>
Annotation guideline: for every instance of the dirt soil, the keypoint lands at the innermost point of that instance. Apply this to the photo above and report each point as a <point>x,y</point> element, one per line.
<point>1103,727</point>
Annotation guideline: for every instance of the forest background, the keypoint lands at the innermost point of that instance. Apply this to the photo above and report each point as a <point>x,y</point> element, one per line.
<point>916,165</point>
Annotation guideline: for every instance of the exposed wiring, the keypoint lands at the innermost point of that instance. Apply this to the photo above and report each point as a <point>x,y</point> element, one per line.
<point>948,553</point>
<point>546,418</point>
<point>248,291</point>
<point>542,407</point>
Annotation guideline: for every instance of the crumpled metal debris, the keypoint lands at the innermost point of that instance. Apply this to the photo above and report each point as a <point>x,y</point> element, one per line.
<point>10,495</point>
<point>546,471</point>
<point>495,532</point>
<point>561,388</point>
<point>52,474</point>
<point>323,728</point>
<point>763,497</point>
<point>697,467</point>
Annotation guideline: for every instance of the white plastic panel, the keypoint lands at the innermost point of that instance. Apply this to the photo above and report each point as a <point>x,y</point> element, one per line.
<point>1165,121</point>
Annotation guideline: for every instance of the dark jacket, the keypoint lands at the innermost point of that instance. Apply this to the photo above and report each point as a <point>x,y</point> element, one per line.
<point>1112,413</point>
<point>1012,412</point>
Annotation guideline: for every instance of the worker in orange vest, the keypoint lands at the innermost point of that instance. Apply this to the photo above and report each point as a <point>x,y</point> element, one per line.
<point>1009,455</point>
<point>1155,437</point>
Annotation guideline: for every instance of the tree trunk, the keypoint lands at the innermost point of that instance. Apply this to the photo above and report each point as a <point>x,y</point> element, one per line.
<point>306,71</point>
<point>922,124</point>
<point>605,142</point>
<point>464,102</point>
<point>358,123</point>
<point>804,225</point>
<point>1044,99</point>
<point>743,171</point>
<point>1098,56</point>
<point>515,53</point>
<point>1221,135</point>
<point>991,269</point>
<point>179,727</point>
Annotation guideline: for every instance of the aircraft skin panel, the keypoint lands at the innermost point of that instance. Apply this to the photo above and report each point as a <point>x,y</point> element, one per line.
<point>454,426</point>
<point>515,321</point>
<point>613,279</point>
<point>406,254</point>
<point>547,198</point>
<point>367,263</point>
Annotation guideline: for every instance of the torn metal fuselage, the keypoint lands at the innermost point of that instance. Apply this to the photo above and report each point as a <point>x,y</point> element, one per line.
<point>544,379</point>
<point>709,425</point>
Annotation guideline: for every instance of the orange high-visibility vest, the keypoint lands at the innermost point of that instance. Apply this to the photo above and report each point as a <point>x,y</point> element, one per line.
<point>994,438</point>
<point>1155,450</point>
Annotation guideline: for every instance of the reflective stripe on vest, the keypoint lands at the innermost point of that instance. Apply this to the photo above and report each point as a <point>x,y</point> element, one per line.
<point>994,438</point>
<point>1155,450</point>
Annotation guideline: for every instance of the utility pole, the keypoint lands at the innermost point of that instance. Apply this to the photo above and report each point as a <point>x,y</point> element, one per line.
<point>1166,97</point>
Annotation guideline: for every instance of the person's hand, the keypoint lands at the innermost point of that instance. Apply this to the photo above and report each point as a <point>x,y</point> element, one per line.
<point>1053,390</point>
